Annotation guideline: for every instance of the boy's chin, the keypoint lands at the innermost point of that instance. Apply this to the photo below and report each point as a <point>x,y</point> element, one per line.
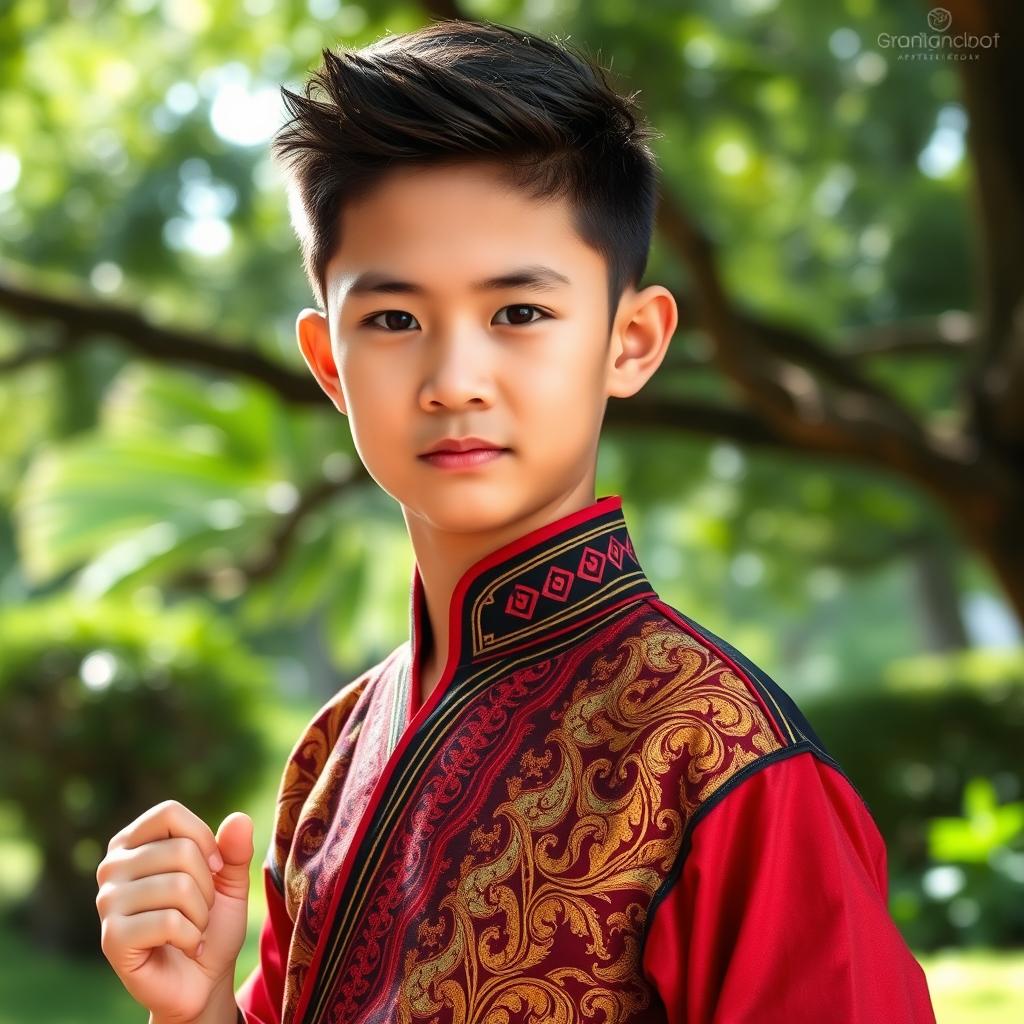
<point>468,506</point>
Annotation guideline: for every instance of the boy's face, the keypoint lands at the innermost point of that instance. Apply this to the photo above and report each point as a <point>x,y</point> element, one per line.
<point>529,369</point>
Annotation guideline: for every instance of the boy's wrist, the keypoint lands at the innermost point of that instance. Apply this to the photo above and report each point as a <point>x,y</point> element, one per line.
<point>220,1009</point>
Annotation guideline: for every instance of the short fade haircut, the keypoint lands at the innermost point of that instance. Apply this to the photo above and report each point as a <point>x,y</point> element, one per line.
<point>456,91</point>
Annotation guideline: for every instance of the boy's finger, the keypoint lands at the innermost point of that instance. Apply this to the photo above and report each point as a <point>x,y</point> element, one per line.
<point>165,821</point>
<point>235,839</point>
<point>153,928</point>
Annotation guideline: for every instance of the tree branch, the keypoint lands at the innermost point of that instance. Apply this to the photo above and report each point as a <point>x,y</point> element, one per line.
<point>764,359</point>
<point>79,321</point>
<point>264,565</point>
<point>951,333</point>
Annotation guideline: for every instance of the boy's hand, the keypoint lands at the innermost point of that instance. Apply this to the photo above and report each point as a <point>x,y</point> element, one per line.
<point>171,926</point>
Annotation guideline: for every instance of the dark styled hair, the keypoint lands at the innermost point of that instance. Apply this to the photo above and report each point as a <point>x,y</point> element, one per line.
<point>462,90</point>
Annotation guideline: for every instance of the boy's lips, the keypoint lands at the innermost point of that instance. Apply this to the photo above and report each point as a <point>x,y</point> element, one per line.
<point>460,444</point>
<point>462,452</point>
<point>468,459</point>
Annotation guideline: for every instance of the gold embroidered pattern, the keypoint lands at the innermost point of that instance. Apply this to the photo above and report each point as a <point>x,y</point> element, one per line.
<point>545,912</point>
<point>305,766</point>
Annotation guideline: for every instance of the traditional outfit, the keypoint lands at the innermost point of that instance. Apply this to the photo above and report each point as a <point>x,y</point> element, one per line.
<point>603,812</point>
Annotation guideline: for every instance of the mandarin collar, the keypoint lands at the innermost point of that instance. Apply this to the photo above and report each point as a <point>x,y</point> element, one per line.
<point>548,581</point>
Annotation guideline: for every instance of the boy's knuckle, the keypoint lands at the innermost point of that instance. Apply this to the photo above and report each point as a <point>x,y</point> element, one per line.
<point>108,936</point>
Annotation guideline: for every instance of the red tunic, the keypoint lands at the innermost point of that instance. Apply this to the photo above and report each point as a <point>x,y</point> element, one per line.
<point>602,812</point>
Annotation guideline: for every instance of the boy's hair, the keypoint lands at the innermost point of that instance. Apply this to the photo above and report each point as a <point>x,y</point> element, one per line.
<point>456,91</point>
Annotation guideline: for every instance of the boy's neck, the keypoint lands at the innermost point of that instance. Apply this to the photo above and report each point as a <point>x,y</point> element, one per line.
<point>430,674</point>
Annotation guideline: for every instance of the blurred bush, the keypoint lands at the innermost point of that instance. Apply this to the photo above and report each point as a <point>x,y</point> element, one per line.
<point>107,708</point>
<point>976,883</point>
<point>935,750</point>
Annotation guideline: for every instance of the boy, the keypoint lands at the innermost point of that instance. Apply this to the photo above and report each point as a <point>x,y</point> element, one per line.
<point>561,799</point>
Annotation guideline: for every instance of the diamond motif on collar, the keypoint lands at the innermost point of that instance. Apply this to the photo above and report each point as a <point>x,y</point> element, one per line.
<point>558,584</point>
<point>592,565</point>
<point>521,601</point>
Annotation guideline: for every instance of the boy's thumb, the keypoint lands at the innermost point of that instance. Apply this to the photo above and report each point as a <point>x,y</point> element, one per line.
<point>235,842</point>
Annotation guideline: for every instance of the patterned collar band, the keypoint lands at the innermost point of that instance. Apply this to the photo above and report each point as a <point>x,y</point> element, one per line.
<point>545,583</point>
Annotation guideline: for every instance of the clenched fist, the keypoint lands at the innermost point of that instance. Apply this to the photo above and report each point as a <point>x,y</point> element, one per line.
<point>173,903</point>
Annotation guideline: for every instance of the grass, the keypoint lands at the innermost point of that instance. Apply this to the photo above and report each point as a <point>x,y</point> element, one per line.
<point>967,986</point>
<point>976,986</point>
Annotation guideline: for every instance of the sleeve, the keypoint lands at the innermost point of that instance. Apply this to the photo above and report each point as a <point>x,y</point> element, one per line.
<point>261,995</point>
<point>780,915</point>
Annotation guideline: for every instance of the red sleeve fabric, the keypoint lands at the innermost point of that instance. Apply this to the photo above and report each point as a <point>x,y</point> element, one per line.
<point>780,915</point>
<point>261,995</point>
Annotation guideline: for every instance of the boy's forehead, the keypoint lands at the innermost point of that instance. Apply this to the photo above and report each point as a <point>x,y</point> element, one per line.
<point>467,200</point>
<point>456,228</point>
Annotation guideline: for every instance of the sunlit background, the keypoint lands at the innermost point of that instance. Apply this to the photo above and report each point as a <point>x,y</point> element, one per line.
<point>826,470</point>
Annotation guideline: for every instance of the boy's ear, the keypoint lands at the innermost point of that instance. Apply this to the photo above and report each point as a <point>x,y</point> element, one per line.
<point>314,337</point>
<point>645,325</point>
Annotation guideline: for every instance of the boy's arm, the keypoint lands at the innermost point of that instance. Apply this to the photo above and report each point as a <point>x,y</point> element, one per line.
<point>261,995</point>
<point>780,912</point>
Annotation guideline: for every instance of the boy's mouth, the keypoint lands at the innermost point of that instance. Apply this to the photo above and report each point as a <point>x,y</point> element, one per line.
<point>462,452</point>
<point>466,459</point>
<point>460,444</point>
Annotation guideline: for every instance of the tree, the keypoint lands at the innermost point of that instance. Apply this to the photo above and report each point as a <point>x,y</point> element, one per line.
<point>818,316</point>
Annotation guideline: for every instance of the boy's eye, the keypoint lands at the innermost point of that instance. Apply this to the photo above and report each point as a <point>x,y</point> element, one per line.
<point>397,328</point>
<point>370,321</point>
<point>519,311</point>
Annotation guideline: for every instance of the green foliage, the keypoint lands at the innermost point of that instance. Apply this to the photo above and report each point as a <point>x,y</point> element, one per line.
<point>185,476</point>
<point>975,886</point>
<point>178,473</point>
<point>985,828</point>
<point>791,134</point>
<point>106,709</point>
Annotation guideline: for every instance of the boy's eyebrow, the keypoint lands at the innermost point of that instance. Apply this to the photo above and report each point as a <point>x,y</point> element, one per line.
<point>536,278</point>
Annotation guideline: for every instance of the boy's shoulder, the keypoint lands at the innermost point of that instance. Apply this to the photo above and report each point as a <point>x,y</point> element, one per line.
<point>733,719</point>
